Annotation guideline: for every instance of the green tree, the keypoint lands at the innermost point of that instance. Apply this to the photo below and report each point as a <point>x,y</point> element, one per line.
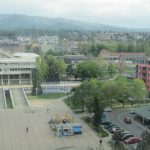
<point>122,47</point>
<point>111,69</point>
<point>84,95</point>
<point>36,48</point>
<point>38,75</point>
<point>121,67</point>
<point>109,90</point>
<point>144,144</point>
<point>123,89</point>
<point>56,68</point>
<point>139,90</point>
<point>96,112</point>
<point>131,47</point>
<point>87,70</point>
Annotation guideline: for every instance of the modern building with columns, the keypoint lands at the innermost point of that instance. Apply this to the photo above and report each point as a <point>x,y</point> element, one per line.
<point>17,69</point>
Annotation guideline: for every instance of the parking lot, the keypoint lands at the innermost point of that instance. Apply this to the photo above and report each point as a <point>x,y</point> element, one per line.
<point>117,117</point>
<point>13,134</point>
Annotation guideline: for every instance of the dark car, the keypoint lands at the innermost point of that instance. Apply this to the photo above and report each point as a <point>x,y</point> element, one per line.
<point>107,122</point>
<point>119,134</point>
<point>113,129</point>
<point>108,125</point>
<point>126,136</point>
<point>123,133</point>
<point>127,120</point>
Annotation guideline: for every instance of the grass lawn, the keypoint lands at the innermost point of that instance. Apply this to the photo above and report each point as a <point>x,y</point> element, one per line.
<point>8,100</point>
<point>46,96</point>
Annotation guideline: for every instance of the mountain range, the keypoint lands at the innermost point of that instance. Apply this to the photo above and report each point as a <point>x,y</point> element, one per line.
<point>13,22</point>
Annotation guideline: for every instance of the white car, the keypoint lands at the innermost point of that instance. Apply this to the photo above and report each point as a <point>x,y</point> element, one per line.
<point>108,109</point>
<point>132,111</point>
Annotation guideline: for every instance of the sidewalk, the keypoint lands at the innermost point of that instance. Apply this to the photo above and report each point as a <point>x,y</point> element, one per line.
<point>105,141</point>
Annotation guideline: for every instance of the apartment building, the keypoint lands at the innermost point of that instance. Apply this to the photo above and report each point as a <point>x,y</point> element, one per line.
<point>135,58</point>
<point>143,72</point>
<point>46,40</point>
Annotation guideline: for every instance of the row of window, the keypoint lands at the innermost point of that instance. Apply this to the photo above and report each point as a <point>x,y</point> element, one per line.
<point>15,69</point>
<point>16,64</point>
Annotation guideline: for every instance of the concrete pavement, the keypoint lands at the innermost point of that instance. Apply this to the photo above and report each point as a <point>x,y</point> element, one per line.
<point>13,135</point>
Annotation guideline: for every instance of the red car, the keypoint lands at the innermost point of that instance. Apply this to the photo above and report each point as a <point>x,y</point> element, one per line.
<point>127,120</point>
<point>132,140</point>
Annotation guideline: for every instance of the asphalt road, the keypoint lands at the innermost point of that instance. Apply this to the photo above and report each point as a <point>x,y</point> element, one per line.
<point>117,117</point>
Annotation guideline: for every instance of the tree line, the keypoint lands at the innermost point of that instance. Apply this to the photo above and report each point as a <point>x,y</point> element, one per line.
<point>94,48</point>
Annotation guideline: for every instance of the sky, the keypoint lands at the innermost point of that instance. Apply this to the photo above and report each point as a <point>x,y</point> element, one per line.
<point>127,13</point>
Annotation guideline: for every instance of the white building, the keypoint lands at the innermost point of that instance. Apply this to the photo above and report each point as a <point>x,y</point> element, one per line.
<point>46,40</point>
<point>17,69</point>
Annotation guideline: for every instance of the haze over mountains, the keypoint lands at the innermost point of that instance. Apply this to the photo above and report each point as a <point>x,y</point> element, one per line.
<point>12,22</point>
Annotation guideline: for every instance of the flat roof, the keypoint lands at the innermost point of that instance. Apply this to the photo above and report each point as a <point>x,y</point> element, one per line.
<point>28,55</point>
<point>143,112</point>
<point>16,60</point>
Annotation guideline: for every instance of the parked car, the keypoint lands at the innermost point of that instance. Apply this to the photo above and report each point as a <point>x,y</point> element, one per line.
<point>126,136</point>
<point>132,140</point>
<point>109,125</point>
<point>123,133</point>
<point>107,122</point>
<point>132,111</point>
<point>127,120</point>
<point>108,109</point>
<point>115,129</point>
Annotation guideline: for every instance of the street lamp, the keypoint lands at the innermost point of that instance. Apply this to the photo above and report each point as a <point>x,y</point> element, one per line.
<point>36,91</point>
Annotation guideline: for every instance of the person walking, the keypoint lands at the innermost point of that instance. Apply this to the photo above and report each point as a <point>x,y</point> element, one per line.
<point>27,129</point>
<point>47,110</point>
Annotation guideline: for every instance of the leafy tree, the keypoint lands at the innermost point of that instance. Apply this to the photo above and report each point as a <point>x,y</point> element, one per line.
<point>56,68</point>
<point>69,70</point>
<point>96,112</point>
<point>122,47</point>
<point>36,48</point>
<point>144,144</point>
<point>38,75</point>
<point>139,90</point>
<point>109,90</point>
<point>121,67</point>
<point>79,97</point>
<point>103,66</point>
<point>111,69</point>
<point>87,70</point>
<point>123,89</point>
<point>84,95</point>
<point>131,47</point>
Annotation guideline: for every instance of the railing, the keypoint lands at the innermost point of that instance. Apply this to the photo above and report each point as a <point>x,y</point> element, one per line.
<point>25,96</point>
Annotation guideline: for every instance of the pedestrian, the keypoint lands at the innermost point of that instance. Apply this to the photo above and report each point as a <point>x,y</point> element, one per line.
<point>100,141</point>
<point>47,110</point>
<point>27,129</point>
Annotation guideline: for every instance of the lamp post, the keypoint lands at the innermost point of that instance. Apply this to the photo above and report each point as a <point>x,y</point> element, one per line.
<point>36,91</point>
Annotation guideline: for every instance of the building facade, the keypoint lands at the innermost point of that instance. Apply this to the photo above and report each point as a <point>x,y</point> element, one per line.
<point>143,72</point>
<point>17,70</point>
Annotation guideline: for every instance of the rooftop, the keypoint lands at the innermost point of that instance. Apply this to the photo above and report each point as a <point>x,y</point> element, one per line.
<point>143,112</point>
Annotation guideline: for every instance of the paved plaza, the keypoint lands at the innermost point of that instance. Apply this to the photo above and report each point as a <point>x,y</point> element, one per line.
<point>13,124</point>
